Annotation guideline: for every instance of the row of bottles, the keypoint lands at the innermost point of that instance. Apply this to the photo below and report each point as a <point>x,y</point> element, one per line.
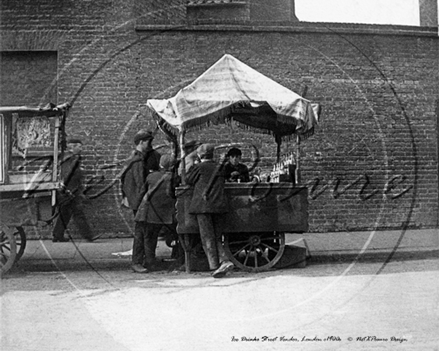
<point>284,171</point>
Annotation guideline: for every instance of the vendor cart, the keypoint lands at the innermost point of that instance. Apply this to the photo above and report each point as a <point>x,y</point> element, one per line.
<point>260,213</point>
<point>30,142</point>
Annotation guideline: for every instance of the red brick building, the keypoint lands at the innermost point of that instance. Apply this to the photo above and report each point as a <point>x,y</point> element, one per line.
<point>372,163</point>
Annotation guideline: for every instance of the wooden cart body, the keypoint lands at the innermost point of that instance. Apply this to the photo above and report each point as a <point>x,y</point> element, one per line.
<point>253,207</point>
<point>31,145</point>
<point>19,211</point>
<point>253,229</point>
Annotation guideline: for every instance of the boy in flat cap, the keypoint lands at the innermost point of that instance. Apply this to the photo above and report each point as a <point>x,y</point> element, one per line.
<point>209,204</point>
<point>157,209</point>
<point>190,149</point>
<point>143,161</point>
<point>70,197</point>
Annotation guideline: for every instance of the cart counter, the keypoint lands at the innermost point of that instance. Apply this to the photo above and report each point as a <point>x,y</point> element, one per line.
<point>253,207</point>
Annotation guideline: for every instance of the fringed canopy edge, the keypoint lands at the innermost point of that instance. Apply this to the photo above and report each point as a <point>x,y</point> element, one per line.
<point>225,116</point>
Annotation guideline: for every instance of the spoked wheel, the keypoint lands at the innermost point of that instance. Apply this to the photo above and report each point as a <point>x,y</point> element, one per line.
<point>8,249</point>
<point>254,252</point>
<point>20,240</point>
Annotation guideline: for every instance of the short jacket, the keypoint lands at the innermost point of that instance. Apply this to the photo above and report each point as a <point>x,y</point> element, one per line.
<point>159,202</point>
<point>135,174</point>
<point>208,196</point>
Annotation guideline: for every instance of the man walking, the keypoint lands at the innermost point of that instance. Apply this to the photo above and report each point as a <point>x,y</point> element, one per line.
<point>71,196</point>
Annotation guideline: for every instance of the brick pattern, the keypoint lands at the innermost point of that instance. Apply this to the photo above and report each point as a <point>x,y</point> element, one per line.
<point>371,164</point>
<point>28,78</point>
<point>275,10</point>
<point>428,13</point>
<point>159,12</point>
<point>231,11</point>
<point>211,2</point>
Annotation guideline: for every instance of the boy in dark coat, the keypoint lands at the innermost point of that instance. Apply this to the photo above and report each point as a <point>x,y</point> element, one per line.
<point>209,204</point>
<point>143,161</point>
<point>158,207</point>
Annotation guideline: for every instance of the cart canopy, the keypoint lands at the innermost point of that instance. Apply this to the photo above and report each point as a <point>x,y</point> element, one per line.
<point>232,91</point>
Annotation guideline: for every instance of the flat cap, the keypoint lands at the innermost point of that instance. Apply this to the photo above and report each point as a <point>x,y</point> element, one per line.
<point>143,135</point>
<point>167,162</point>
<point>234,152</point>
<point>206,151</point>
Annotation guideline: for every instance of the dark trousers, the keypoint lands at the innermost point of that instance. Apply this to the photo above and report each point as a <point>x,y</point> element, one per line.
<point>145,243</point>
<point>211,229</point>
<point>68,208</point>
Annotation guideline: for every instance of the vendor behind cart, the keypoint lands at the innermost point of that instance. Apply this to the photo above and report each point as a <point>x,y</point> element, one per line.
<point>235,171</point>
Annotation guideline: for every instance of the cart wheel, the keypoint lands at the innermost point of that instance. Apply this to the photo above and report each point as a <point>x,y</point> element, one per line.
<point>20,240</point>
<point>8,249</point>
<point>254,252</point>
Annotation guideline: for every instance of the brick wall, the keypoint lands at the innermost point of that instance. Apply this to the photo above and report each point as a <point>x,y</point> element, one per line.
<point>428,13</point>
<point>275,10</point>
<point>154,11</point>
<point>373,160</point>
<point>218,11</point>
<point>28,77</point>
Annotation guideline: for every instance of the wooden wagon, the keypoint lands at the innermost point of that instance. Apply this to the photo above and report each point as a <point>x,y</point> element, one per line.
<point>31,140</point>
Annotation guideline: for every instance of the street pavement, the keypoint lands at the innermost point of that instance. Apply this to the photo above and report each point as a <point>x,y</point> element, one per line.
<point>321,247</point>
<point>360,291</point>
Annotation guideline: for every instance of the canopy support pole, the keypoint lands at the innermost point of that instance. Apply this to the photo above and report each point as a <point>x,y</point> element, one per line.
<point>175,149</point>
<point>55,156</point>
<point>298,146</point>
<point>182,156</point>
<point>297,173</point>
<point>278,141</point>
<point>184,238</point>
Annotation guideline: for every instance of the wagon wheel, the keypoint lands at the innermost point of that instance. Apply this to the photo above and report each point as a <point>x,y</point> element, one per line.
<point>8,248</point>
<point>20,239</point>
<point>254,252</point>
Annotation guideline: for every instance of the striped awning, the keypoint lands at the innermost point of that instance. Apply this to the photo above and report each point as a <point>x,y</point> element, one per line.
<point>232,91</point>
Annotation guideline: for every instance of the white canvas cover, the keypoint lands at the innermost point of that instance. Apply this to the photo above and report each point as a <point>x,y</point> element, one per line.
<point>230,89</point>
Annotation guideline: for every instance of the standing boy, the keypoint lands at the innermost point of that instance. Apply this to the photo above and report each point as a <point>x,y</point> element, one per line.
<point>143,161</point>
<point>158,208</point>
